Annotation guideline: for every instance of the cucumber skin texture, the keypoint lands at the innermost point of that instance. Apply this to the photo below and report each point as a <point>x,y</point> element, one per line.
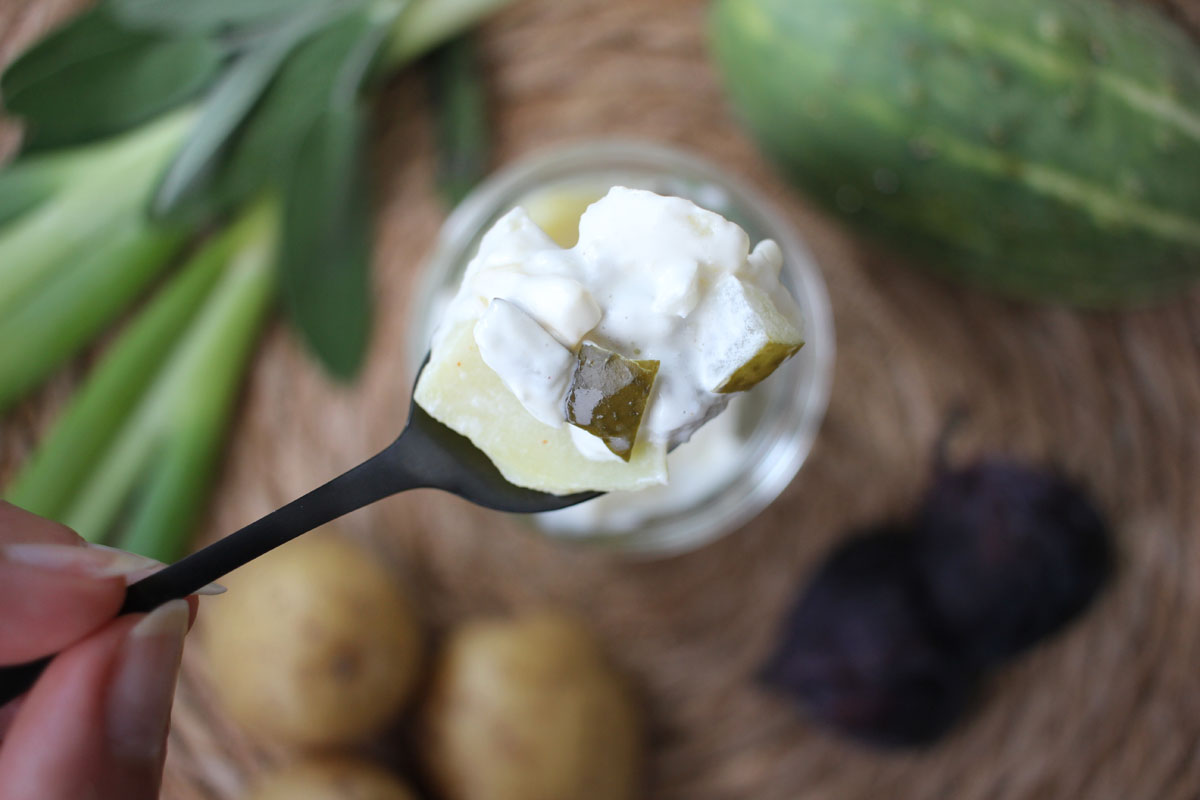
<point>1047,149</point>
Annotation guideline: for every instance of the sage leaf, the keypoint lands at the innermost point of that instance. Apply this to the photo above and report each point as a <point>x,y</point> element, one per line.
<point>326,241</point>
<point>326,233</point>
<point>204,16</point>
<point>460,109</point>
<point>93,78</point>
<point>226,106</point>
<point>88,35</point>
<point>329,65</point>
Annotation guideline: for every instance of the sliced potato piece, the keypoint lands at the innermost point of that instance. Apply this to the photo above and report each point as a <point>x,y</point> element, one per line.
<point>461,391</point>
<point>742,337</point>
<point>557,210</point>
<point>608,394</point>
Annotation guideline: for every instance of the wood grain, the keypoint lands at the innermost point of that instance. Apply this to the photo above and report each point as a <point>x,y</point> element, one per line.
<point>1111,709</point>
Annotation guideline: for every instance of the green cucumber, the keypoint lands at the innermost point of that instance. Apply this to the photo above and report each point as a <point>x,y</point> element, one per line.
<point>1048,149</point>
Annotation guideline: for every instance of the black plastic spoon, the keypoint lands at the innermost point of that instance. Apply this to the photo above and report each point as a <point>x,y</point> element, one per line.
<point>426,455</point>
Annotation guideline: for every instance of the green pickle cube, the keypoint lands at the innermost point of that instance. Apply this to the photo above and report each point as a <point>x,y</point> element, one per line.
<point>608,394</point>
<point>744,336</point>
<point>758,367</point>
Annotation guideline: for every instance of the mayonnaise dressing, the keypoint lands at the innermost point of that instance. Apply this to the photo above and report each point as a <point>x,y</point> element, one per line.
<point>651,277</point>
<point>699,469</point>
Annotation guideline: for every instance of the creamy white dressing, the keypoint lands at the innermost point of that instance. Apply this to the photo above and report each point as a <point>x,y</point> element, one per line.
<point>699,469</point>
<point>590,445</point>
<point>530,361</point>
<point>651,277</point>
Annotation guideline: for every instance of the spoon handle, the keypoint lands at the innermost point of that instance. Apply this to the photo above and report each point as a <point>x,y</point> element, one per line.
<point>378,477</point>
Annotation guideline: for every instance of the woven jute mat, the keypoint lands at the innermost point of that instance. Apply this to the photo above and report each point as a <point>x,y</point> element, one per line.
<point>1110,709</point>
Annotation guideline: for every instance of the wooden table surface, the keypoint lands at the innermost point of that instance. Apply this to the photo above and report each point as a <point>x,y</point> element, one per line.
<point>1111,709</point>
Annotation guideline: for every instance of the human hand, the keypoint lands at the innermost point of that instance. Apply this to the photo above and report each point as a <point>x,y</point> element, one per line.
<point>94,726</point>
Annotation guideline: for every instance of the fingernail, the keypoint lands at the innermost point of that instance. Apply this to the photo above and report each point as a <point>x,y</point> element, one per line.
<point>143,687</point>
<point>95,561</point>
<point>150,567</point>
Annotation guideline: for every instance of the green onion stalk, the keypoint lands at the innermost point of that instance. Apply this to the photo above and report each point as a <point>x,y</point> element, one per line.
<point>231,134</point>
<point>129,459</point>
<point>78,256</point>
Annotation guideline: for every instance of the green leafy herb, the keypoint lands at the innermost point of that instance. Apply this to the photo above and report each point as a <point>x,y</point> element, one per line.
<point>109,181</point>
<point>135,449</point>
<point>29,183</point>
<point>94,78</point>
<point>216,352</point>
<point>66,312</point>
<point>90,35</point>
<point>280,83</point>
<point>305,137</point>
<point>461,107</point>
<point>78,440</point>
<point>227,105</point>
<point>315,119</point>
<point>262,151</point>
<point>325,251</point>
<point>280,114</point>
<point>205,16</point>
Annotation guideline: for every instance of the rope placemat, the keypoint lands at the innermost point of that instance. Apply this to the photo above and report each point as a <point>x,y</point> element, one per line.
<point>1110,709</point>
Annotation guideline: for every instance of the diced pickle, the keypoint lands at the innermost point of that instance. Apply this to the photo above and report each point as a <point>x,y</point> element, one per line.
<point>607,396</point>
<point>760,365</point>
<point>557,210</point>
<point>742,336</point>
<point>460,390</point>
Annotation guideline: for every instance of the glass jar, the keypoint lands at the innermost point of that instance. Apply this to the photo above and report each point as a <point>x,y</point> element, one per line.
<point>766,434</point>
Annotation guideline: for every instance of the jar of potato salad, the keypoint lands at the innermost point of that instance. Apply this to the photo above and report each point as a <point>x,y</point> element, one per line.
<point>738,463</point>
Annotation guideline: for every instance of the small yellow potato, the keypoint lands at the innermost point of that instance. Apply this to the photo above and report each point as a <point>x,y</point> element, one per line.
<point>314,644</point>
<point>529,709</point>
